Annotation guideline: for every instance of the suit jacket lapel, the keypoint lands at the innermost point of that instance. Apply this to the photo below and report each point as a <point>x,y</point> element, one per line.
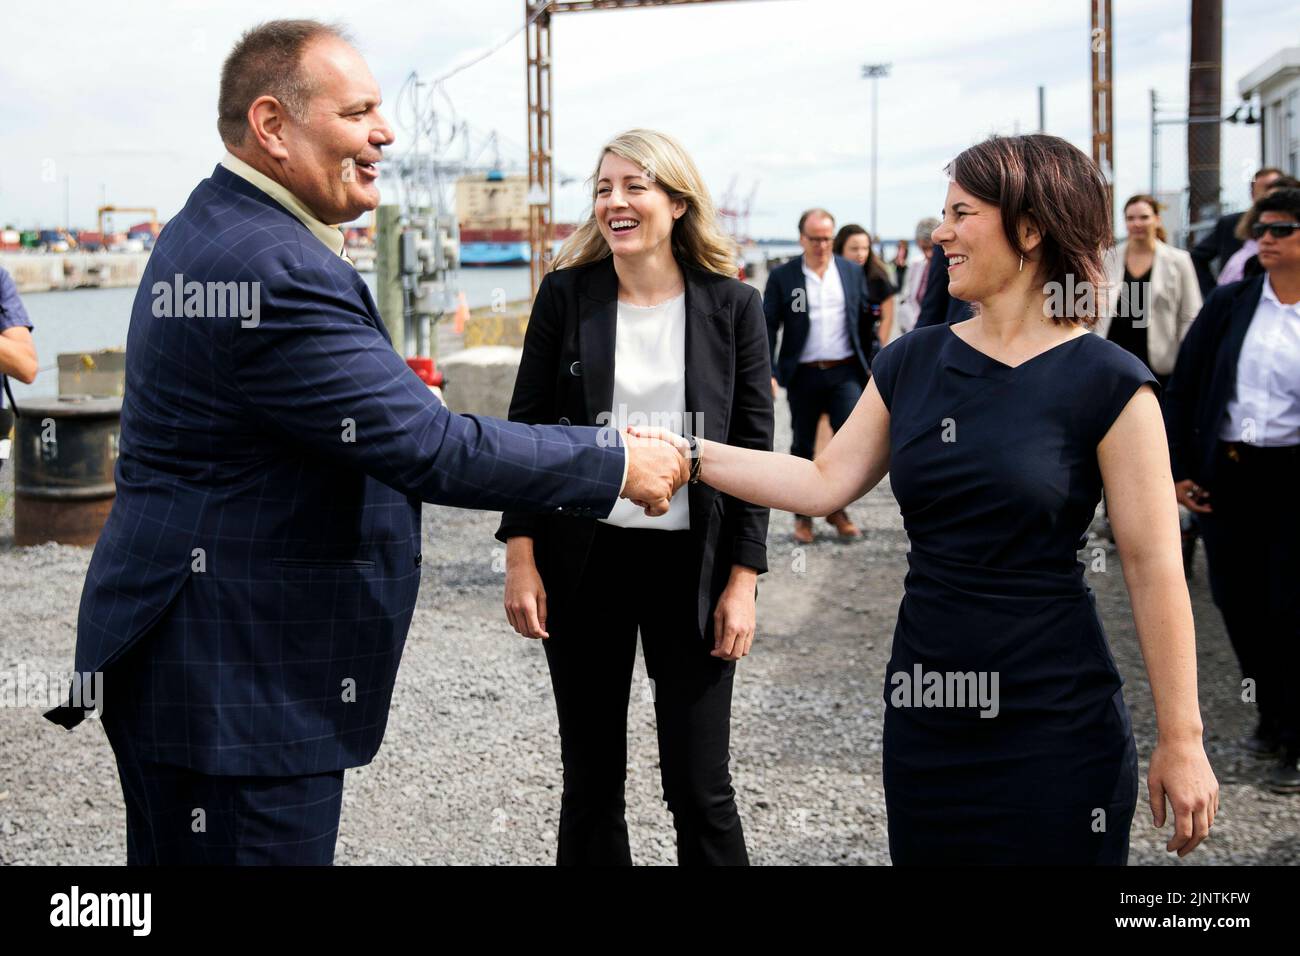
<point>1243,311</point>
<point>850,279</point>
<point>597,325</point>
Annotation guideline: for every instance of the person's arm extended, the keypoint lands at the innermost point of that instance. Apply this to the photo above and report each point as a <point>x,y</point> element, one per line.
<point>317,373</point>
<point>533,403</point>
<point>18,354</point>
<point>1135,471</point>
<point>850,466</point>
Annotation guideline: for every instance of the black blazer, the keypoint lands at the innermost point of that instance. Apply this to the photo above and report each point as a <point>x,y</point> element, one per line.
<point>1205,378</point>
<point>1217,244</point>
<point>785,302</point>
<point>566,376</point>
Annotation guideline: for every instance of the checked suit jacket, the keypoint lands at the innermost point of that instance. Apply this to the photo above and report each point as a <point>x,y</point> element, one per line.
<point>250,595</point>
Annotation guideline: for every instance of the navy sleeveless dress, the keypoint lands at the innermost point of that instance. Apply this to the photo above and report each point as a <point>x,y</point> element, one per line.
<point>1006,735</point>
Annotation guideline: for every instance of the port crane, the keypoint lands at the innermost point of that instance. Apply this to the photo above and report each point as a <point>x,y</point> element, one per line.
<point>108,210</point>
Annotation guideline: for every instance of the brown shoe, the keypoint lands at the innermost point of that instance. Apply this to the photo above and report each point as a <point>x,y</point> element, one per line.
<point>845,527</point>
<point>803,530</point>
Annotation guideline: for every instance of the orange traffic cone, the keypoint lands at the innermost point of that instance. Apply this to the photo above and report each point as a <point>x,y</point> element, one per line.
<point>462,313</point>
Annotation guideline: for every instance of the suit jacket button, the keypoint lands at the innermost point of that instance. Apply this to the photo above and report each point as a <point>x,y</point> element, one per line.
<point>576,370</point>
<point>418,559</point>
<point>565,421</point>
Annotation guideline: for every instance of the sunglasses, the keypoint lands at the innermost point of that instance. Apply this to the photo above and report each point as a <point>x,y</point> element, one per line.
<point>1278,230</point>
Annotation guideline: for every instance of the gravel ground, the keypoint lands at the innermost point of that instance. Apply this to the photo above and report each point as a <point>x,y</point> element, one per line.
<point>469,771</point>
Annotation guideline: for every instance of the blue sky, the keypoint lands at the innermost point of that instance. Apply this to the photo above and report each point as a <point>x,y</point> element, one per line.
<point>121,98</point>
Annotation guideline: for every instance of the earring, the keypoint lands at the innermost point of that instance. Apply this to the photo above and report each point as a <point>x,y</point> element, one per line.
<point>1022,264</point>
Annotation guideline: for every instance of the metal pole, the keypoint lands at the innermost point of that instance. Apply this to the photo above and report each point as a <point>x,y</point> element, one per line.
<point>1042,109</point>
<point>1204,104</point>
<point>873,72</point>
<point>875,120</point>
<point>1155,146</point>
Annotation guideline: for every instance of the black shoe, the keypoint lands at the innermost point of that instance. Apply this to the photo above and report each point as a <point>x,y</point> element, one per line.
<point>1285,776</point>
<point>1261,745</point>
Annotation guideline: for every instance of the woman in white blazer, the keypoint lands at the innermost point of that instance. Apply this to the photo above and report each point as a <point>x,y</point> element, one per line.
<point>1154,295</point>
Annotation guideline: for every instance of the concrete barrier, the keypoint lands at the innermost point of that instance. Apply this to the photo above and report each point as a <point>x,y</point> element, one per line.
<point>481,380</point>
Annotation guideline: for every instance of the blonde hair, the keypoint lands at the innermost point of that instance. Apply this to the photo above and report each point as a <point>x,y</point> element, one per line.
<point>697,240</point>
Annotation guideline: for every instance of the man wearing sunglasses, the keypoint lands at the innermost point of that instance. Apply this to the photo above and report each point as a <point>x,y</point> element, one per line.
<point>1233,416</point>
<point>821,301</point>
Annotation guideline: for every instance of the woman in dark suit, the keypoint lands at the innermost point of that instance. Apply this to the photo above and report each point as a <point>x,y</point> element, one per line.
<point>1233,409</point>
<point>643,324</point>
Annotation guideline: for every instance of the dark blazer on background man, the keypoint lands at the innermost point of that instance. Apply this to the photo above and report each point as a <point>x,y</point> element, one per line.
<point>566,376</point>
<point>1217,245</point>
<point>1205,379</point>
<point>785,303</point>
<point>249,597</point>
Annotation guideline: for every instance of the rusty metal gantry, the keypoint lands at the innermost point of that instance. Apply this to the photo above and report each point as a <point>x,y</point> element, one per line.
<point>1103,94</point>
<point>541,174</point>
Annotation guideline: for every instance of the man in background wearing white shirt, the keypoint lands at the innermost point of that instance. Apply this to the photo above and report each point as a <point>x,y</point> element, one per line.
<point>819,299</point>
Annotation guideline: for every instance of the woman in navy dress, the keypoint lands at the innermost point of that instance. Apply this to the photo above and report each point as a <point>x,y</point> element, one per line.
<point>1006,735</point>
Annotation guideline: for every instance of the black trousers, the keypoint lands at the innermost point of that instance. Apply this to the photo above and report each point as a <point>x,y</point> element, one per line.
<point>1252,546</point>
<point>641,579</point>
<point>813,391</point>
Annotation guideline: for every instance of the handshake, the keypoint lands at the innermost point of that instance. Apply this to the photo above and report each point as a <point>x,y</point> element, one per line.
<point>658,464</point>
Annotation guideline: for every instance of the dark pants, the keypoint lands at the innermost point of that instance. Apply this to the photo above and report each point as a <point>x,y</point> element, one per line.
<point>1252,539</point>
<point>813,391</point>
<point>176,816</point>
<point>641,579</point>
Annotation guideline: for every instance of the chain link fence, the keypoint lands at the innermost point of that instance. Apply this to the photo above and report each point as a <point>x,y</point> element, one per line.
<point>1239,156</point>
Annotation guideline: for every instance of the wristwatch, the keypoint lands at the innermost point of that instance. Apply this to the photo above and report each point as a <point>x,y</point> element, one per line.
<point>694,455</point>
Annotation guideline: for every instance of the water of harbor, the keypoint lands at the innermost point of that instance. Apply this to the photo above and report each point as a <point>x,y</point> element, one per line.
<point>85,320</point>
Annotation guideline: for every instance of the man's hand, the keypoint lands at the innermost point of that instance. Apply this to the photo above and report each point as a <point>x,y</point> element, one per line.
<point>655,470</point>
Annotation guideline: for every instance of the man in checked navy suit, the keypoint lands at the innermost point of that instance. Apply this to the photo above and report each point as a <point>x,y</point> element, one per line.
<point>249,597</point>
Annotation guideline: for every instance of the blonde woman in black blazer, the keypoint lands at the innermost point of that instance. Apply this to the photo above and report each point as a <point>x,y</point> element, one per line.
<point>643,322</point>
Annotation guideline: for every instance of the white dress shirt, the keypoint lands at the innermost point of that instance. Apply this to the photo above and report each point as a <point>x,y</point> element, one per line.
<point>828,329</point>
<point>1265,409</point>
<point>650,389</point>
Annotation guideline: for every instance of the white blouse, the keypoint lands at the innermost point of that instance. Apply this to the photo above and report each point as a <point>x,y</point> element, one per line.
<point>650,390</point>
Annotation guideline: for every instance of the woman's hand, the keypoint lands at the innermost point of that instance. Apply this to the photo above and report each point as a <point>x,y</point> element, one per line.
<point>1181,772</point>
<point>525,596</point>
<point>734,616</point>
<point>1193,497</point>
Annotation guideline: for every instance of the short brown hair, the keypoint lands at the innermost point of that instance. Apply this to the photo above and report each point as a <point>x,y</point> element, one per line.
<point>267,61</point>
<point>1052,183</point>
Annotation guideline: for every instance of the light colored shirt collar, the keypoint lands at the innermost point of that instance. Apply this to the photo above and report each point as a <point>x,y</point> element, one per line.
<point>331,236</point>
<point>831,267</point>
<point>1271,296</point>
